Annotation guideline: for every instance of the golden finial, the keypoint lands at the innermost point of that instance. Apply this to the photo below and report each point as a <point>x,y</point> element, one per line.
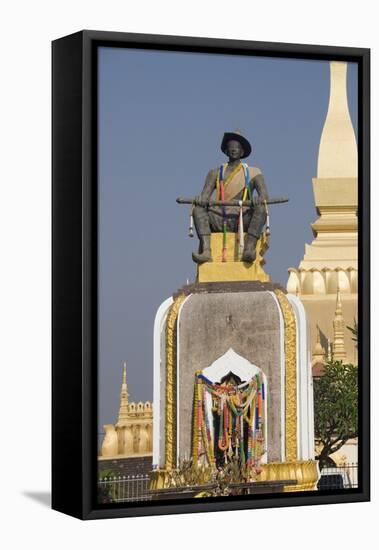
<point>124,386</point>
<point>329,350</point>
<point>338,302</point>
<point>124,398</point>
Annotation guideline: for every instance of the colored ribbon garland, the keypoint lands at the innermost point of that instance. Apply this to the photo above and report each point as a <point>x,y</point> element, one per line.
<point>220,185</point>
<point>234,405</point>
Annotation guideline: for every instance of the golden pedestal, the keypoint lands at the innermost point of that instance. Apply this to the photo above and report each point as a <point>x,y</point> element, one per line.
<point>233,269</point>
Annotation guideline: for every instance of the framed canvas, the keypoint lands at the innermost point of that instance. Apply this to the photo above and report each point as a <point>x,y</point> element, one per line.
<point>224,371</point>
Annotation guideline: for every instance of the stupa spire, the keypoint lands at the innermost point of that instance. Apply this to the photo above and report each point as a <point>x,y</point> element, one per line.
<point>329,350</point>
<point>331,259</point>
<point>124,387</point>
<point>124,397</point>
<point>339,353</point>
<point>338,155</point>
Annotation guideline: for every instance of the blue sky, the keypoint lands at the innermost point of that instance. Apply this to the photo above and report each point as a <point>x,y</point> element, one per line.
<point>162,116</point>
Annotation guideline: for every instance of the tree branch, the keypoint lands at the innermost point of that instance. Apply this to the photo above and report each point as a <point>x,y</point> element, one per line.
<point>339,445</point>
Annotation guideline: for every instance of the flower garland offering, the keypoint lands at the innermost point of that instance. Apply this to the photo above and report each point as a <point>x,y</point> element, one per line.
<point>240,412</point>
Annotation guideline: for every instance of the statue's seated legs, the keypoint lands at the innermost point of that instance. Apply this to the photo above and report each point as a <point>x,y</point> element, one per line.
<point>211,221</point>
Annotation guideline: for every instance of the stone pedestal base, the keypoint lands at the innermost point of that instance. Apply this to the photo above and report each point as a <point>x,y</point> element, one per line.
<point>239,327</point>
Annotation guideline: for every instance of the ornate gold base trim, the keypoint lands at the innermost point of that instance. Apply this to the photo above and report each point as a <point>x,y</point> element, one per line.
<point>305,472</point>
<point>169,478</point>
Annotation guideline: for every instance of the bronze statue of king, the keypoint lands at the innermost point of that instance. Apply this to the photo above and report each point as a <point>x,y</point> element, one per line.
<point>234,181</point>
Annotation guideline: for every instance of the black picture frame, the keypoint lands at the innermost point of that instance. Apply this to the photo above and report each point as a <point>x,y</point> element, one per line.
<point>74,270</point>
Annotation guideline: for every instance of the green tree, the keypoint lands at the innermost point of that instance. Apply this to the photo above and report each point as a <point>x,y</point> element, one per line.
<point>335,408</point>
<point>106,493</point>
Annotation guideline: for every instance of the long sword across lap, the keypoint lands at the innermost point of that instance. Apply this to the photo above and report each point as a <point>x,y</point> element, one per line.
<point>196,201</point>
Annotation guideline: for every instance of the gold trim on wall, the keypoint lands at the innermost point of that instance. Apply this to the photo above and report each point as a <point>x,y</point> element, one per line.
<point>290,376</point>
<point>171,363</point>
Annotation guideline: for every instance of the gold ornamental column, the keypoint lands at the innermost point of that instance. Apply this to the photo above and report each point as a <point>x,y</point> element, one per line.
<point>171,377</point>
<point>290,384</point>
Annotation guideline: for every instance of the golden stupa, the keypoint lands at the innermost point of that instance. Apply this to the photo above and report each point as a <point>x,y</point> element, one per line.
<point>330,262</point>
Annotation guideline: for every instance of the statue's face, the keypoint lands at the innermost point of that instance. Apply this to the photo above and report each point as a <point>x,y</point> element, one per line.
<point>234,149</point>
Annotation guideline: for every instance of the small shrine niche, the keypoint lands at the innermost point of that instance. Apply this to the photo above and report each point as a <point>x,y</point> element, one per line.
<point>230,412</point>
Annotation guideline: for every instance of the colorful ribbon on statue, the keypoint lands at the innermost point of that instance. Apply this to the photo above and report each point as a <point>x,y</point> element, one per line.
<point>246,192</point>
<point>220,186</point>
